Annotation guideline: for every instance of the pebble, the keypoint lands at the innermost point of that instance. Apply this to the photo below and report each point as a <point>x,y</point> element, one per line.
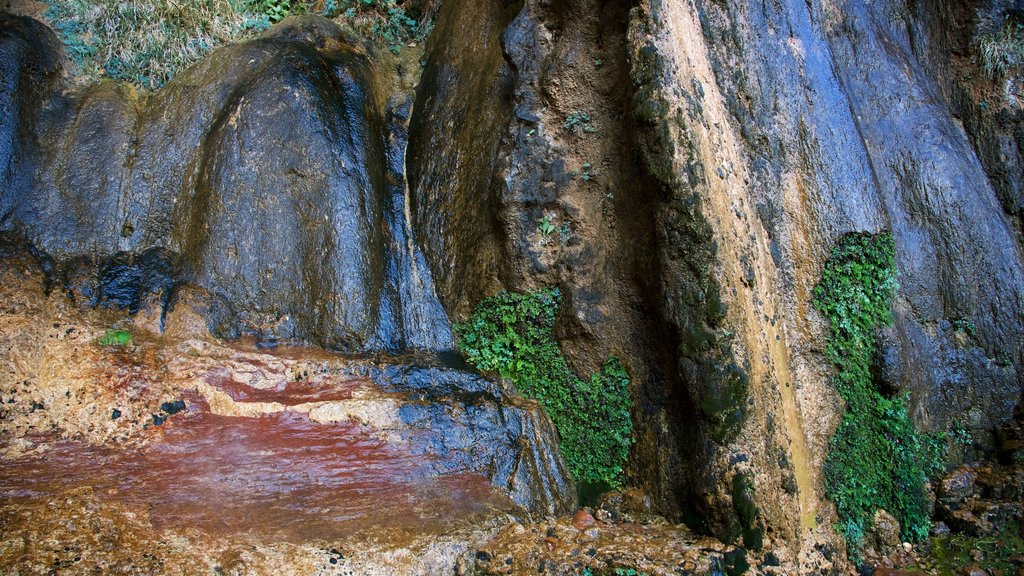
<point>582,520</point>
<point>173,407</point>
<point>973,570</point>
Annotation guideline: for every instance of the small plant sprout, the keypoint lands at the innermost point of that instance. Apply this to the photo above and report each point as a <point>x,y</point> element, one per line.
<point>964,326</point>
<point>585,172</point>
<point>115,338</point>
<point>578,123</point>
<point>598,63</point>
<point>565,233</point>
<point>606,203</point>
<point>546,228</point>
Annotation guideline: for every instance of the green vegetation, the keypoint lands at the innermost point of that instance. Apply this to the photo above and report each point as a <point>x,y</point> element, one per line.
<point>1001,50</point>
<point>545,226</point>
<point>965,326</point>
<point>585,173</point>
<point>146,42</point>
<point>115,338</point>
<point>578,123</point>
<point>876,458</point>
<point>512,335</point>
<point>565,233</point>
<point>996,553</point>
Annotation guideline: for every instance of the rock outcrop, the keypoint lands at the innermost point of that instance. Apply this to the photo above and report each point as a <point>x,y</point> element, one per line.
<point>716,166</point>
<point>679,168</point>
<point>271,174</point>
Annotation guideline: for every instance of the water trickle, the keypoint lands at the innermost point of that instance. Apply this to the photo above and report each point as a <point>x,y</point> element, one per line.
<point>424,323</point>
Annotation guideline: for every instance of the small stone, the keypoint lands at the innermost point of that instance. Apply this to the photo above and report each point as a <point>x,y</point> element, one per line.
<point>173,407</point>
<point>551,542</point>
<point>483,556</point>
<point>939,529</point>
<point>884,535</point>
<point>158,420</point>
<point>582,520</point>
<point>907,547</point>
<point>115,414</point>
<point>593,533</point>
<point>973,570</point>
<point>958,484</point>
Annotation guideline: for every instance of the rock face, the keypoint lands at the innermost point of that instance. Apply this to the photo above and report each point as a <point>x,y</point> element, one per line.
<point>161,438</point>
<point>271,174</point>
<point>695,160</point>
<point>756,135</point>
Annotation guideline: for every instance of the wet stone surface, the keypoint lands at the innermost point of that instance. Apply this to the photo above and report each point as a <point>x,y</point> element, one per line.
<point>158,454</point>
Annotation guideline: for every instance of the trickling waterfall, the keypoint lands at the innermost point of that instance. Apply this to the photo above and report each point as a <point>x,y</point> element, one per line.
<point>424,323</point>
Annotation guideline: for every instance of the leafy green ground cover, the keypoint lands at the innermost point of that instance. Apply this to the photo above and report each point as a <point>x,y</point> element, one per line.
<point>512,335</point>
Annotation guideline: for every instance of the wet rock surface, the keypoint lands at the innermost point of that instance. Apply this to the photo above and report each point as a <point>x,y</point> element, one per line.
<point>758,134</point>
<point>270,176</point>
<point>402,463</point>
<point>695,160</point>
<point>560,547</point>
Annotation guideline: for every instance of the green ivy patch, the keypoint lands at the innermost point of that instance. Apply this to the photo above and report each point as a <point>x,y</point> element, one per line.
<point>876,458</point>
<point>512,334</point>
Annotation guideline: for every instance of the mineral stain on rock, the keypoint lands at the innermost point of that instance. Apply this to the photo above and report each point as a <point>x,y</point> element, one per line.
<point>221,343</point>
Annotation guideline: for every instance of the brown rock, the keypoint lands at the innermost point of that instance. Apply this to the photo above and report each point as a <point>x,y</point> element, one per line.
<point>583,520</point>
<point>973,570</point>
<point>958,485</point>
<point>885,534</point>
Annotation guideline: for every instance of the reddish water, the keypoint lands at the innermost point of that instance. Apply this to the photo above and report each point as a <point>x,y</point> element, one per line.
<point>280,476</point>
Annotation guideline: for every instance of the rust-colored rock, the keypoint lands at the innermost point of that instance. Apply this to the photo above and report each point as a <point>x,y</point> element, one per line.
<point>233,455</point>
<point>583,520</point>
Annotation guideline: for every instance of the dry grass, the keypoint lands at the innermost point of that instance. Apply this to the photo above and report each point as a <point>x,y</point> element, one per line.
<point>147,42</point>
<point>1003,50</point>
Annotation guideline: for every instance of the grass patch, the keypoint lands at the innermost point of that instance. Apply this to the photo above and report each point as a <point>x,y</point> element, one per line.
<point>876,458</point>
<point>511,334</point>
<point>146,42</point>
<point>1001,50</point>
<point>996,554</point>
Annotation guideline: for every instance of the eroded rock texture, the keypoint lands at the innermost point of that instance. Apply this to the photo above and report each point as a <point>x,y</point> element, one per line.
<point>272,174</point>
<point>695,160</point>
<point>724,156</point>
<point>172,450</point>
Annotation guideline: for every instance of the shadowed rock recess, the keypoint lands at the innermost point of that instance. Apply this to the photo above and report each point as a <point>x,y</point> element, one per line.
<point>290,224</point>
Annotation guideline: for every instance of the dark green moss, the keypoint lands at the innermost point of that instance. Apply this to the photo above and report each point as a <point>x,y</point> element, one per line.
<point>512,334</point>
<point>736,563</point>
<point>746,511</point>
<point>724,399</point>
